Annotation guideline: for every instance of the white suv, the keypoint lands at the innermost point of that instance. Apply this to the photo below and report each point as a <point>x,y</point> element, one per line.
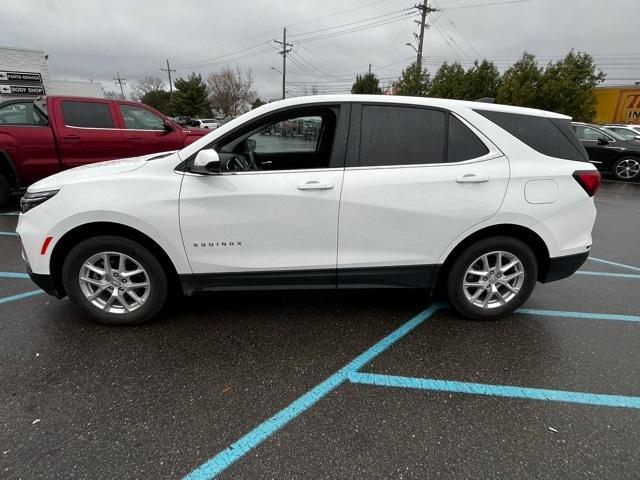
<point>343,191</point>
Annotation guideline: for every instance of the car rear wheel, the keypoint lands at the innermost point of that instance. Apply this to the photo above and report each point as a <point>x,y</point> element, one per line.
<point>115,280</point>
<point>626,169</point>
<point>492,278</point>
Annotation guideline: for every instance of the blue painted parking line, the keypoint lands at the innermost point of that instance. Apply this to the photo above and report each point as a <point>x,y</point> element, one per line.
<point>13,275</point>
<point>19,296</point>
<point>241,447</point>
<point>608,274</point>
<point>8,234</point>
<point>495,390</point>
<point>617,264</point>
<point>582,315</point>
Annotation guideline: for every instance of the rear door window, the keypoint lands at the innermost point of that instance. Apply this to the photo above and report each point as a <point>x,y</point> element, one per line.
<point>398,135</point>
<point>87,114</point>
<point>549,136</point>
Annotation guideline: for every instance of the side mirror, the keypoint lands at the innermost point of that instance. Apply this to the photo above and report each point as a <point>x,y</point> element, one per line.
<point>251,145</point>
<point>167,126</point>
<point>603,141</point>
<point>207,162</point>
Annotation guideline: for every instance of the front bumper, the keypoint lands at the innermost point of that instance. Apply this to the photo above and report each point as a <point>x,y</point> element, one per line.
<point>563,267</point>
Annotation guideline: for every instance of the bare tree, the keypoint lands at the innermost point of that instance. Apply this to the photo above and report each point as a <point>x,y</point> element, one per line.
<point>147,84</point>
<point>230,91</point>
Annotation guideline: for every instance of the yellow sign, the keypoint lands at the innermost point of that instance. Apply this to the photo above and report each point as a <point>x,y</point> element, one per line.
<point>618,105</point>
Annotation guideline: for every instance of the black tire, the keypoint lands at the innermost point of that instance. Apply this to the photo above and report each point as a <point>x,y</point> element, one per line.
<point>458,274</point>
<point>5,191</point>
<point>157,279</point>
<point>620,175</point>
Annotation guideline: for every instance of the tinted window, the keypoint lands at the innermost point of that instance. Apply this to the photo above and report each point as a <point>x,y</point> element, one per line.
<point>138,118</point>
<point>401,136</point>
<point>552,137</point>
<point>21,114</point>
<point>87,114</point>
<point>463,144</point>
<point>292,135</point>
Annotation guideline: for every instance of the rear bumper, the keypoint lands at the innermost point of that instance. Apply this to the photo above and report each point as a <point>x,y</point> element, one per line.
<point>563,267</point>
<point>44,282</point>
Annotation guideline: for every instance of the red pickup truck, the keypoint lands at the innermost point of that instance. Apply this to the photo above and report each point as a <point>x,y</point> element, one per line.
<point>41,137</point>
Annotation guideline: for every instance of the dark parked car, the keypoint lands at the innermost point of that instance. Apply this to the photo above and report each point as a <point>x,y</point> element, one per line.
<point>609,151</point>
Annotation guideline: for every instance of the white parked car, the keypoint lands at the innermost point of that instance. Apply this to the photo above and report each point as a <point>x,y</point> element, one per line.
<point>484,200</point>
<point>629,132</point>
<point>207,123</point>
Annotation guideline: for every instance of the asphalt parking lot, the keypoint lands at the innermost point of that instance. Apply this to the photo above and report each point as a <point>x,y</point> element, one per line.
<point>332,385</point>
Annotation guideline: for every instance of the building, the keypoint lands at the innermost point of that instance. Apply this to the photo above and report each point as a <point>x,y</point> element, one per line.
<point>24,73</point>
<point>618,104</point>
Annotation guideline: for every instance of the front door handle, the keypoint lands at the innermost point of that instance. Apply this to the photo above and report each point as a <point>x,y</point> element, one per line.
<point>315,185</point>
<point>473,178</point>
<point>71,137</point>
<point>134,137</point>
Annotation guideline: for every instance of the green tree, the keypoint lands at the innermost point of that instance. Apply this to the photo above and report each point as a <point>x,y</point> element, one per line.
<point>190,97</point>
<point>413,83</point>
<point>481,81</point>
<point>367,83</point>
<point>257,103</point>
<point>448,82</point>
<point>520,84</point>
<point>568,86</point>
<point>158,99</point>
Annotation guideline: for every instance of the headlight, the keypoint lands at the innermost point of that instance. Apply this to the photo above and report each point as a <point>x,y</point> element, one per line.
<point>31,200</point>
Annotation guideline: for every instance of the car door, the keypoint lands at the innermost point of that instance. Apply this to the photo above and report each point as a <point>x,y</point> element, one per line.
<point>87,132</point>
<point>145,132</point>
<point>601,154</point>
<point>275,225</point>
<point>416,179</point>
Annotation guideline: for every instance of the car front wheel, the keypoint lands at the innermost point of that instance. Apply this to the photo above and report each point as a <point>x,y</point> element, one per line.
<point>626,169</point>
<point>492,278</point>
<point>115,280</point>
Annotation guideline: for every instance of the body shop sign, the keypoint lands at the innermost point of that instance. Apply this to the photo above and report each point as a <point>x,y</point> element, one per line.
<point>22,90</point>
<point>20,77</point>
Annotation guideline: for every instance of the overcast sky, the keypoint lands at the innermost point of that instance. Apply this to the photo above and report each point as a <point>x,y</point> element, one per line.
<point>333,40</point>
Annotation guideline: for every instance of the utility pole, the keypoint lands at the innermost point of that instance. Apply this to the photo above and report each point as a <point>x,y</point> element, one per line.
<point>120,81</point>
<point>424,10</point>
<point>284,52</point>
<point>369,69</point>
<point>168,70</point>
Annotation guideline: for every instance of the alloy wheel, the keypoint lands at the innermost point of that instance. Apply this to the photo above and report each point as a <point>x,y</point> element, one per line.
<point>493,279</point>
<point>114,282</point>
<point>628,168</point>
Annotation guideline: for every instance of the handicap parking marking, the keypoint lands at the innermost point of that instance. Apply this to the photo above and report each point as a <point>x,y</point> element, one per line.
<point>512,391</point>
<point>8,234</point>
<point>579,315</point>
<point>20,296</point>
<point>241,447</point>
<point>13,275</point>
<point>608,274</point>
<point>616,264</point>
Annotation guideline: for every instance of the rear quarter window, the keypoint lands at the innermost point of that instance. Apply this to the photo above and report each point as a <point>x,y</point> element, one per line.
<point>550,136</point>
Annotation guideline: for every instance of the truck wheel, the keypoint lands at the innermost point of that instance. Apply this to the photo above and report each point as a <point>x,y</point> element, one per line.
<point>115,280</point>
<point>492,278</point>
<point>5,191</point>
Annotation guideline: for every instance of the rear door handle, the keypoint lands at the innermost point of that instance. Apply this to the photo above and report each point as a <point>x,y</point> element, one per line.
<point>315,185</point>
<point>473,178</point>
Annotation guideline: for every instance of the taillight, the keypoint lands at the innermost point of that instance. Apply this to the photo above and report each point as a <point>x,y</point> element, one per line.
<point>589,180</point>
